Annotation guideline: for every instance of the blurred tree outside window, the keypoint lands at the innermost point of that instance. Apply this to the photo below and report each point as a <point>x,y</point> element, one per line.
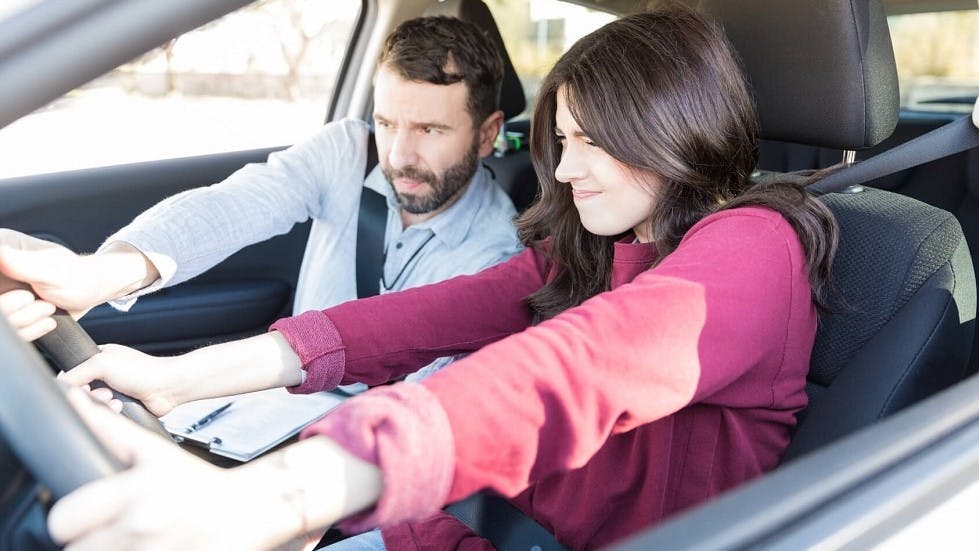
<point>537,32</point>
<point>937,57</point>
<point>259,77</point>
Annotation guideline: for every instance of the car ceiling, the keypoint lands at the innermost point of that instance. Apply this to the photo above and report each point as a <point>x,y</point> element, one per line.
<point>892,7</point>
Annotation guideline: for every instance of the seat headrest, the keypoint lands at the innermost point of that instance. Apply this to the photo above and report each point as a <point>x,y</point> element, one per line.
<point>823,71</point>
<point>512,98</point>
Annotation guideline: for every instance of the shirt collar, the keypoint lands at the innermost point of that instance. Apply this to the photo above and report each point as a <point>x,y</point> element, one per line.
<point>452,225</point>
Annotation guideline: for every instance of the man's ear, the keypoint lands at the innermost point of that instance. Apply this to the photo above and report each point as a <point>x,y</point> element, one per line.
<point>488,131</point>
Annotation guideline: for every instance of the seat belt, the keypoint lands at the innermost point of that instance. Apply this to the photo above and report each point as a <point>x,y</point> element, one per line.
<point>493,518</point>
<point>954,137</point>
<point>520,530</point>
<point>371,223</point>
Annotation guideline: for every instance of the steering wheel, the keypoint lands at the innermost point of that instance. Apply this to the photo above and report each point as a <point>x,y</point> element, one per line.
<point>40,425</point>
<point>69,345</point>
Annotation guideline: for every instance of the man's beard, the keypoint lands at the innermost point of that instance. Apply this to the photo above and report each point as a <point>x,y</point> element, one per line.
<point>443,188</point>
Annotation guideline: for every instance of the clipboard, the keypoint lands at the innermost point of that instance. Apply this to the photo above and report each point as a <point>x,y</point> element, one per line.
<point>254,423</point>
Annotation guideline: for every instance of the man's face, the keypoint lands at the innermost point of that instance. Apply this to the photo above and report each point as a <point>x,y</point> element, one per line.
<point>427,144</point>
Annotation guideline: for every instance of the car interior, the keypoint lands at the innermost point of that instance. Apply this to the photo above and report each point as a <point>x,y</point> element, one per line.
<point>902,328</point>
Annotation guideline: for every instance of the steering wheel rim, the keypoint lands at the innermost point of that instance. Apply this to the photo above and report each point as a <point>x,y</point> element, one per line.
<point>41,427</point>
<point>69,345</point>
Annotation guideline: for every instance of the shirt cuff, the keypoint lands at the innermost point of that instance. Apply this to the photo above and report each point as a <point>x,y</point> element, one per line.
<point>164,265</point>
<point>317,342</point>
<point>404,430</point>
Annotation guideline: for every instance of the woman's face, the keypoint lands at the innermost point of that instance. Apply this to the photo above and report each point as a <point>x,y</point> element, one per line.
<point>608,195</point>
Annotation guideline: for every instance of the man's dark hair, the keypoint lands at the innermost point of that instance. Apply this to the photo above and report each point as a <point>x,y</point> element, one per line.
<point>445,50</point>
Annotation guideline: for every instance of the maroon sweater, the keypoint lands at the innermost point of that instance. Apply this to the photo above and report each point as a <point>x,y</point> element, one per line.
<point>680,382</point>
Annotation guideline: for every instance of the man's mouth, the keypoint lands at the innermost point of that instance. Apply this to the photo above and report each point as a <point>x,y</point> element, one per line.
<point>408,185</point>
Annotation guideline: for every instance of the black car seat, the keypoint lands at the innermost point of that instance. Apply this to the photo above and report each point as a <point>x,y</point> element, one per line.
<point>823,74</point>
<point>510,164</point>
<point>904,315</point>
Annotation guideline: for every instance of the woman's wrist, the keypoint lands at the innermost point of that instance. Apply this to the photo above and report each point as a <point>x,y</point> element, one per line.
<point>319,482</point>
<point>248,365</point>
<point>185,378</point>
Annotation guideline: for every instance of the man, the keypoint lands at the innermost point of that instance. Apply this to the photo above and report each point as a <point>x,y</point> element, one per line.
<point>435,97</point>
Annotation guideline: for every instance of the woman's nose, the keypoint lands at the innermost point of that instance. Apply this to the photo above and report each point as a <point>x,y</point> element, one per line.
<point>569,168</point>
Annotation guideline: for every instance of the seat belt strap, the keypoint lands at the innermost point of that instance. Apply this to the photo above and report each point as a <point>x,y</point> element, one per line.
<point>493,518</point>
<point>371,223</point>
<point>954,137</point>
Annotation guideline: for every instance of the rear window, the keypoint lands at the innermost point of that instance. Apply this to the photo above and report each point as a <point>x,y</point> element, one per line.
<point>937,57</point>
<point>537,32</point>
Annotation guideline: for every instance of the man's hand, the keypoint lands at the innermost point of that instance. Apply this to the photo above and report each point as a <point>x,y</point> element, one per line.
<point>168,499</point>
<point>71,281</point>
<point>30,317</point>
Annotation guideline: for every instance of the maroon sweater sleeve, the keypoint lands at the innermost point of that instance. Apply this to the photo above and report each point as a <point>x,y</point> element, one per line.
<point>378,339</point>
<point>714,313</point>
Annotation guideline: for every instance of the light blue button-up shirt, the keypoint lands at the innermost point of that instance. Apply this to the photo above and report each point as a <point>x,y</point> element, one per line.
<point>321,178</point>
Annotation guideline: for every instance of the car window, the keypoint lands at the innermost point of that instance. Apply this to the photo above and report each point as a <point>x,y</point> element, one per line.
<point>537,32</point>
<point>937,59</point>
<point>11,7</point>
<point>259,77</point>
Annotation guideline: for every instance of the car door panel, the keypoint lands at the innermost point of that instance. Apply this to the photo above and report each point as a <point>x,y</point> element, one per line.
<point>240,296</point>
<point>191,315</point>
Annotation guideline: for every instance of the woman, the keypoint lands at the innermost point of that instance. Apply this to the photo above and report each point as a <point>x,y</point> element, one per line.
<point>647,351</point>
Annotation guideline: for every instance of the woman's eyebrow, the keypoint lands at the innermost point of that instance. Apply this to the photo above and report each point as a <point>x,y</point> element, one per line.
<point>575,134</point>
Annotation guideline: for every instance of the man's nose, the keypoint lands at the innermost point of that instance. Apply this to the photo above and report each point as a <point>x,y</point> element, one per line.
<point>403,152</point>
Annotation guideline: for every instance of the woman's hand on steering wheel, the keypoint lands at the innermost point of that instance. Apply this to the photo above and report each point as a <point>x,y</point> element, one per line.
<point>167,498</point>
<point>149,379</point>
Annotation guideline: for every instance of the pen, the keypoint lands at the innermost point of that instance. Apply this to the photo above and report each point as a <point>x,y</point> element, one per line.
<point>207,418</point>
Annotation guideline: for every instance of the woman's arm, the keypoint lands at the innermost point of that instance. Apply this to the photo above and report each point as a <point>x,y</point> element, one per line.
<point>381,338</point>
<point>169,499</point>
<point>162,383</point>
<point>726,319</point>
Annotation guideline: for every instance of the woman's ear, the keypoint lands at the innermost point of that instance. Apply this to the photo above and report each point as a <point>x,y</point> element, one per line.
<point>488,131</point>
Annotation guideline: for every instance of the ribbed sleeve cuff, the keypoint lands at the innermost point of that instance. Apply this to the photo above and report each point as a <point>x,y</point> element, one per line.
<point>404,430</point>
<point>317,342</point>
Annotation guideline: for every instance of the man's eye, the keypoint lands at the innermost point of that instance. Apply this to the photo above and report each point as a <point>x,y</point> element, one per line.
<point>431,130</point>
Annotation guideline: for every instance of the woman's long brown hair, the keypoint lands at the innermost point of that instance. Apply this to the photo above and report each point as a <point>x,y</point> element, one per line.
<point>663,93</point>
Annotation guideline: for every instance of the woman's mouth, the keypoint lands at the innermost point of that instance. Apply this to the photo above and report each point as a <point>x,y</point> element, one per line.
<point>582,194</point>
